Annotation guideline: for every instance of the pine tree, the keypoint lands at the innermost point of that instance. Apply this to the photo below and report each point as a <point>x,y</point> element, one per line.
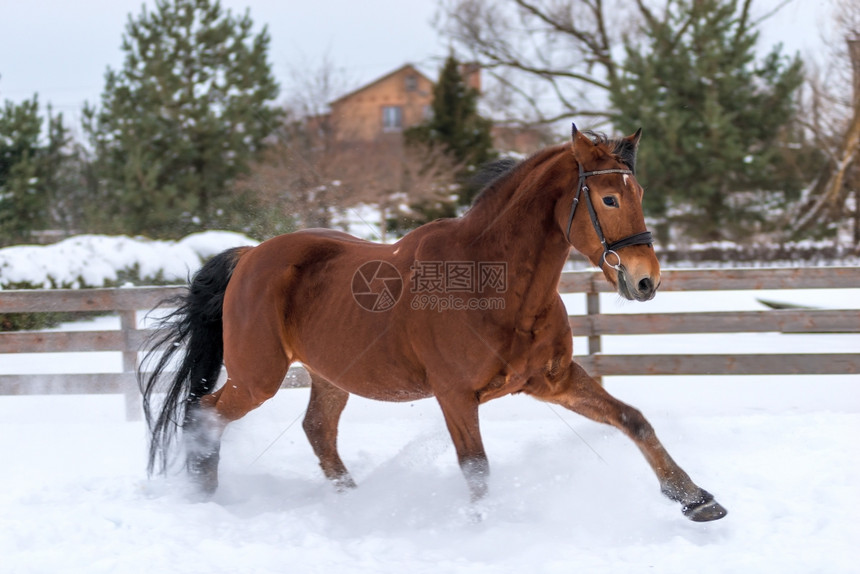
<point>717,120</point>
<point>456,126</point>
<point>20,203</point>
<point>182,118</point>
<point>30,168</point>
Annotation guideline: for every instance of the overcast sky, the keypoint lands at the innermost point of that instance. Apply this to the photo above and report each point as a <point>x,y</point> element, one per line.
<point>60,49</point>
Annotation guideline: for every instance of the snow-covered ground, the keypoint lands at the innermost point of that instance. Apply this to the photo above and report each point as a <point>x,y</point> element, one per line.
<point>567,494</point>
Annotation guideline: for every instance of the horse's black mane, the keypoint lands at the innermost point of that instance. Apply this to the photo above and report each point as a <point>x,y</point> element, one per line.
<point>622,148</point>
<point>492,174</point>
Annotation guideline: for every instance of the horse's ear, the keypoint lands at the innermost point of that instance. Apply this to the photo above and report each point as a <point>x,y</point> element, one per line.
<point>580,142</point>
<point>626,149</point>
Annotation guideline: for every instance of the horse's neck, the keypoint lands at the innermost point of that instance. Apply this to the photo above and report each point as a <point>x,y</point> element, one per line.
<point>516,216</point>
<point>517,224</point>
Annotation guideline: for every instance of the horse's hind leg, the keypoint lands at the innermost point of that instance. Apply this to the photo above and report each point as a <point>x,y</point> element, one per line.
<point>580,393</point>
<point>246,389</point>
<point>201,433</point>
<point>324,409</point>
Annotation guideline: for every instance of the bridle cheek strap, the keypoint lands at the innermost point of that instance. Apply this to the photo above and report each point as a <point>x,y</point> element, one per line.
<point>641,238</point>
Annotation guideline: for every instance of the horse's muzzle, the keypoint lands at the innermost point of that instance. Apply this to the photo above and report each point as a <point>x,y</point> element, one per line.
<point>636,288</point>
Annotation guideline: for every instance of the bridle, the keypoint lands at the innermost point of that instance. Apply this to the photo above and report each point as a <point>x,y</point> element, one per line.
<point>641,238</point>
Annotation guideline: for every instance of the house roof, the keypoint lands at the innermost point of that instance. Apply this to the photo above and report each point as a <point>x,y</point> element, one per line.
<point>380,80</point>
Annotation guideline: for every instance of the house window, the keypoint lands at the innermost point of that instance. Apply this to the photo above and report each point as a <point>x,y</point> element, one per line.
<point>392,118</point>
<point>411,83</point>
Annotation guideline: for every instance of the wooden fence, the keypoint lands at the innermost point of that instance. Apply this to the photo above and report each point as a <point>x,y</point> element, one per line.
<point>128,340</point>
<point>595,324</point>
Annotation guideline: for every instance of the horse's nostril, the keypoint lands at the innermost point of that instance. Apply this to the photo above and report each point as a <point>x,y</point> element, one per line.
<point>645,285</point>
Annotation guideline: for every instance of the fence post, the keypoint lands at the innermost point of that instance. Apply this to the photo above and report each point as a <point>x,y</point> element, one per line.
<point>592,308</point>
<point>128,323</point>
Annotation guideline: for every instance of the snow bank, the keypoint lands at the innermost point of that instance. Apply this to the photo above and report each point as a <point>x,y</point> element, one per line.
<point>100,260</point>
<point>210,243</point>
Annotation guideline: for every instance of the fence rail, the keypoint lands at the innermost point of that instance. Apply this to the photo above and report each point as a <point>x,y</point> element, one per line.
<point>596,324</point>
<point>128,340</point>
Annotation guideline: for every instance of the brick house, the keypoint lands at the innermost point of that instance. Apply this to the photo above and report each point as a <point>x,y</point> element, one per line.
<point>386,106</point>
<point>383,108</point>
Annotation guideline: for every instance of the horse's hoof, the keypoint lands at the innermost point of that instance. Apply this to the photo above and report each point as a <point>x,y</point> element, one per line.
<point>344,483</point>
<point>705,511</point>
<point>203,486</point>
<point>203,474</point>
<point>475,513</point>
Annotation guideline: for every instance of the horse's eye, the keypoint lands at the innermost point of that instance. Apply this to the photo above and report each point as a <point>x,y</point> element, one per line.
<point>610,201</point>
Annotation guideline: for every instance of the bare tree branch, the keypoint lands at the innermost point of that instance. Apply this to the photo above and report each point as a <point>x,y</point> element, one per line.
<point>834,122</point>
<point>647,14</point>
<point>538,114</point>
<point>742,21</point>
<point>558,44</point>
<point>770,14</point>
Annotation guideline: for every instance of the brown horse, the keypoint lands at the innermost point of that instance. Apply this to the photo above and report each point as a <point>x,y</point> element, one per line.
<point>465,309</point>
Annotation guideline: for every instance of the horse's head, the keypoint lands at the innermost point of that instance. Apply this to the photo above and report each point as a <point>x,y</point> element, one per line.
<point>610,228</point>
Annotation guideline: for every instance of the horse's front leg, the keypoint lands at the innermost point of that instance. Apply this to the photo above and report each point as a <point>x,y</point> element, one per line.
<point>576,390</point>
<point>461,416</point>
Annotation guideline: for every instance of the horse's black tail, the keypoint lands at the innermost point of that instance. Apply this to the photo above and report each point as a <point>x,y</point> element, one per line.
<point>191,338</point>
